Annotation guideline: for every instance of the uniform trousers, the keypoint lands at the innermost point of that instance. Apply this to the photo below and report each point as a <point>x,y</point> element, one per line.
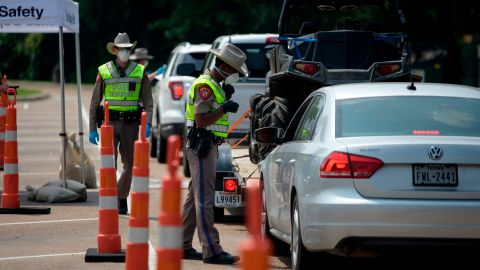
<point>125,133</point>
<point>197,212</point>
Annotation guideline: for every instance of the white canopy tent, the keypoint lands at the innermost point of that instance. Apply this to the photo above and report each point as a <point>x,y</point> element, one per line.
<point>49,16</point>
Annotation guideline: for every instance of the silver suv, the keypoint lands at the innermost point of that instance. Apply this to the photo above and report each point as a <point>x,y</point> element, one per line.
<point>171,90</point>
<point>257,63</point>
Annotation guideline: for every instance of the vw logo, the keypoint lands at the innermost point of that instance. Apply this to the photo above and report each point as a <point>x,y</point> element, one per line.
<point>435,153</point>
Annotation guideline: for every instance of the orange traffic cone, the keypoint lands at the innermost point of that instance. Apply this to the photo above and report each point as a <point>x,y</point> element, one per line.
<point>255,250</point>
<point>137,243</point>
<point>10,195</point>
<point>109,242</point>
<point>169,250</point>
<point>3,116</point>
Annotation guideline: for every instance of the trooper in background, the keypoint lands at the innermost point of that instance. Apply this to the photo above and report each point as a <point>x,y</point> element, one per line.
<point>124,84</point>
<point>207,119</point>
<point>141,56</point>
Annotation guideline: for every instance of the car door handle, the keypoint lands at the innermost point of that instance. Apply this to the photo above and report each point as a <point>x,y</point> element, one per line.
<point>278,161</point>
<point>292,162</point>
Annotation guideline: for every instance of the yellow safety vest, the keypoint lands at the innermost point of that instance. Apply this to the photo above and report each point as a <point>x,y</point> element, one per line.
<point>122,93</point>
<point>220,127</point>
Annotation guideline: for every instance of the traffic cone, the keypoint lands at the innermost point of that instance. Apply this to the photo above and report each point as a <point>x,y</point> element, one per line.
<point>137,243</point>
<point>255,250</point>
<point>108,239</point>
<point>170,231</point>
<point>10,195</point>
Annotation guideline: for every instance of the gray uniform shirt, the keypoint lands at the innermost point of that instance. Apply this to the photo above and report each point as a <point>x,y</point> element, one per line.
<point>97,97</point>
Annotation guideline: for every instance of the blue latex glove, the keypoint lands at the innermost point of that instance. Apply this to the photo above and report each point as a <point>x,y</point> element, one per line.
<point>147,130</point>
<point>160,70</point>
<point>93,137</point>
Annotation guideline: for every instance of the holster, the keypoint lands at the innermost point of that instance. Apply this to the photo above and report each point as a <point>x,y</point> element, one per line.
<point>204,142</point>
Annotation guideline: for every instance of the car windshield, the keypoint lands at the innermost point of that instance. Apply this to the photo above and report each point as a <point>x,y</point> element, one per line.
<point>257,61</point>
<point>193,58</point>
<point>413,115</point>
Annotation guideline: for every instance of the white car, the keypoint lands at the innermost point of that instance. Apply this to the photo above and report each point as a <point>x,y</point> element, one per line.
<point>366,166</point>
<point>183,66</point>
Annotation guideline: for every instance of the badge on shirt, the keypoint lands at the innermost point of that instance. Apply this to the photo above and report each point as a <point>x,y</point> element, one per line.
<point>205,93</point>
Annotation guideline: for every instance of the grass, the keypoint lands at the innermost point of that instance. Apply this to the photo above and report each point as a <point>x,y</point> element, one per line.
<point>27,92</point>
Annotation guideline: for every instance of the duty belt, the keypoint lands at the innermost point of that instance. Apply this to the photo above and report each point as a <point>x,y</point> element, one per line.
<point>126,116</point>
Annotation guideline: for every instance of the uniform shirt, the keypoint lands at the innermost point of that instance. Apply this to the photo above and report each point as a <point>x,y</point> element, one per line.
<point>145,98</point>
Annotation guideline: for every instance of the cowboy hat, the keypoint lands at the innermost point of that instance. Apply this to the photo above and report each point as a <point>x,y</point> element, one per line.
<point>140,53</point>
<point>121,41</point>
<point>232,56</point>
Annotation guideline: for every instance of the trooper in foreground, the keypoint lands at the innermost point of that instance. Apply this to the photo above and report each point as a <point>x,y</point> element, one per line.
<point>124,84</point>
<point>207,121</point>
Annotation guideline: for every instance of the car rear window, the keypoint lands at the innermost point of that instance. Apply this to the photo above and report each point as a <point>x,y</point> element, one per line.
<point>413,115</point>
<point>257,61</point>
<point>194,58</point>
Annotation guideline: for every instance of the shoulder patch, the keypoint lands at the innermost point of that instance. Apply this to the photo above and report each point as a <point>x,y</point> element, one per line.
<point>205,92</point>
<point>99,78</point>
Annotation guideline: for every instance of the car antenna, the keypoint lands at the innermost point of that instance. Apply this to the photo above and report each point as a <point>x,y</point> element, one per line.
<point>412,87</point>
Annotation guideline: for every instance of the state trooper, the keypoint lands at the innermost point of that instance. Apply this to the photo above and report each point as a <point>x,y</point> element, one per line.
<point>125,85</point>
<point>207,120</point>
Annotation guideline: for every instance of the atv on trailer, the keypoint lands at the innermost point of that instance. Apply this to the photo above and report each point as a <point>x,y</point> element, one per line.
<point>326,42</point>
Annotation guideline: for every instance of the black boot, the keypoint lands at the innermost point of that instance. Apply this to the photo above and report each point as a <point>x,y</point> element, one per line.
<point>122,206</point>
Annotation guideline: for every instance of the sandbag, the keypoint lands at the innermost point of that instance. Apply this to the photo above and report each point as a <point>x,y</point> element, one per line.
<point>72,152</point>
<point>54,192</point>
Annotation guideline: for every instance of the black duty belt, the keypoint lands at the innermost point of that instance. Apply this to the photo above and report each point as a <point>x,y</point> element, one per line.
<point>126,116</point>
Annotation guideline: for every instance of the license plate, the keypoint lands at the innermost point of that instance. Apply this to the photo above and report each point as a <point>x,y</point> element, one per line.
<point>435,175</point>
<point>225,199</point>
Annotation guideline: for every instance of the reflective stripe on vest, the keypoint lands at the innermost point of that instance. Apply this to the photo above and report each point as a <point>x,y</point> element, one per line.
<point>220,127</point>
<point>122,93</point>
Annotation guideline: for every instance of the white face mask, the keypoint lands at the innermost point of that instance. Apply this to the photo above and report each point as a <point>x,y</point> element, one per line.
<point>227,77</point>
<point>145,64</point>
<point>233,78</point>
<point>123,55</point>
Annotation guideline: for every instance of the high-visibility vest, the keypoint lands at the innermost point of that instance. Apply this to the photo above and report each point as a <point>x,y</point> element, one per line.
<point>220,127</point>
<point>122,93</point>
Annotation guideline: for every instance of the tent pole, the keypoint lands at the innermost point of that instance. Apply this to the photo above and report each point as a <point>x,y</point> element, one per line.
<point>79,98</point>
<point>62,95</point>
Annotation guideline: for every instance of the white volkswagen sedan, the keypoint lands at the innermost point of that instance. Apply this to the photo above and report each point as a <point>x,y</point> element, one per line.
<point>374,165</point>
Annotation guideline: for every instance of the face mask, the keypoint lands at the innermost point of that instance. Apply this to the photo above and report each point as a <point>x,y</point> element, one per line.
<point>224,74</point>
<point>232,78</point>
<point>145,64</point>
<point>123,55</point>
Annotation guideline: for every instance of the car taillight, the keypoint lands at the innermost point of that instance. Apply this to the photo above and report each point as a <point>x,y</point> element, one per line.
<point>229,184</point>
<point>386,69</point>
<point>271,40</point>
<point>344,165</point>
<point>310,69</point>
<point>176,89</point>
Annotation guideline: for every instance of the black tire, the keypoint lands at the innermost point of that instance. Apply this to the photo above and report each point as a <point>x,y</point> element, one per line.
<point>252,144</point>
<point>161,147</point>
<point>275,112</point>
<point>218,213</point>
<point>185,165</point>
<point>280,248</point>
<point>301,257</point>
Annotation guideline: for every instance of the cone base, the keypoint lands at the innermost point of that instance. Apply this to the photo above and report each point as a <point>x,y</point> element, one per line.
<point>26,210</point>
<point>92,255</point>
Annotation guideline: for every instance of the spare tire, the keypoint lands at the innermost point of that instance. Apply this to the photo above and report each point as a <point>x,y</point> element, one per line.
<point>275,112</point>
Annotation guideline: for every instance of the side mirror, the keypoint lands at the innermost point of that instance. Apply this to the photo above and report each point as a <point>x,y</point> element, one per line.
<point>186,69</point>
<point>269,135</point>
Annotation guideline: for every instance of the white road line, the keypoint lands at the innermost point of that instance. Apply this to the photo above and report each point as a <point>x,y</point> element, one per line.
<point>48,221</point>
<point>152,256</point>
<point>41,256</point>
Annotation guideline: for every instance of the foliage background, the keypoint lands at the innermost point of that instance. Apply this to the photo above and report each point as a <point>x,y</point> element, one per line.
<point>444,34</point>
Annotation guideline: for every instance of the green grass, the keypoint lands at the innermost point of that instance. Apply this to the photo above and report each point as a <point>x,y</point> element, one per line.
<point>27,92</point>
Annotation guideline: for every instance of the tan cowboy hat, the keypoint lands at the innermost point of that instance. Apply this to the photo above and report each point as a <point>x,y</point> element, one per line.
<point>232,56</point>
<point>140,53</point>
<point>121,41</point>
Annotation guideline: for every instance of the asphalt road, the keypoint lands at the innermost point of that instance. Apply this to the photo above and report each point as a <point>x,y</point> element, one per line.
<point>59,240</point>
